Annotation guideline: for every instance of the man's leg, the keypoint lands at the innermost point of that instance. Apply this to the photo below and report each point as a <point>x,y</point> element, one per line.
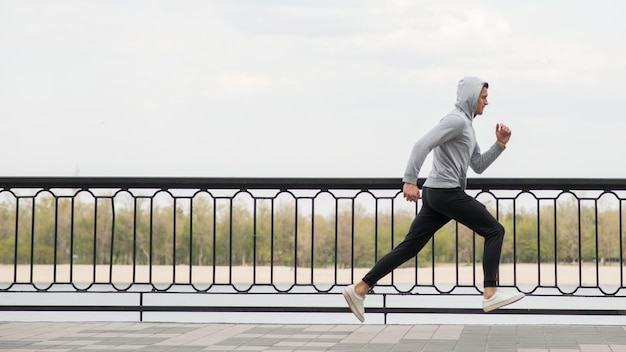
<point>456,204</point>
<point>422,229</point>
<point>425,224</point>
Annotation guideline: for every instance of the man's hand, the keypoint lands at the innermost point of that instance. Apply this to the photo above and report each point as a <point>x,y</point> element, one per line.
<point>411,192</point>
<point>503,133</point>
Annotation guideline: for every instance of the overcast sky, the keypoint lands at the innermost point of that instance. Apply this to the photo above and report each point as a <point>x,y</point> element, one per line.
<point>283,88</point>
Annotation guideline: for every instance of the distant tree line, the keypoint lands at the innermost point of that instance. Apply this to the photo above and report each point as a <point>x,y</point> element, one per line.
<point>47,230</point>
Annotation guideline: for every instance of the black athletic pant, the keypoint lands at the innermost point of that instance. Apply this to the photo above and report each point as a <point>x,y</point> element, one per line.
<point>440,205</point>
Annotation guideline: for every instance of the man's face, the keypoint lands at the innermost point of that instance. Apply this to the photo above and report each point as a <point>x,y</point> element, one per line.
<point>482,101</point>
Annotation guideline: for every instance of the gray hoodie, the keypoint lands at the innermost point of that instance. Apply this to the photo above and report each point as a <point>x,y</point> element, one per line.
<point>453,143</point>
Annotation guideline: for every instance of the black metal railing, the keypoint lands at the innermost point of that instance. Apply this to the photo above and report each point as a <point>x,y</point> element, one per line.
<point>293,236</point>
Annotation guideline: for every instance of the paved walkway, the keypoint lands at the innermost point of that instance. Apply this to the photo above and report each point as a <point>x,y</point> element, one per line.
<point>185,337</point>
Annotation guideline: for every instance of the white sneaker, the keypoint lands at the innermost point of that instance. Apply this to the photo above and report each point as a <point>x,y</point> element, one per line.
<point>501,299</point>
<point>355,302</point>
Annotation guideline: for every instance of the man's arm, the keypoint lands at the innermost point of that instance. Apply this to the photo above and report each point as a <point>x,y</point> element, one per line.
<point>480,161</point>
<point>448,128</point>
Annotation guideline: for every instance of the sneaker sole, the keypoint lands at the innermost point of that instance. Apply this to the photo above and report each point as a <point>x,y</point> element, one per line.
<point>352,305</point>
<point>506,302</point>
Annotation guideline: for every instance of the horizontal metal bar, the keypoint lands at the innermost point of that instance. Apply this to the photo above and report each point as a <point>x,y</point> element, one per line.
<point>300,183</point>
<point>300,309</point>
<point>199,183</point>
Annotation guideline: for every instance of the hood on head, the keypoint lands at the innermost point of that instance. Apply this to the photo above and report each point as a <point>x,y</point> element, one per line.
<point>467,94</point>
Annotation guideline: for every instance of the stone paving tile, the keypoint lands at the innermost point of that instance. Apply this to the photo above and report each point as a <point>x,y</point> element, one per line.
<point>161,337</point>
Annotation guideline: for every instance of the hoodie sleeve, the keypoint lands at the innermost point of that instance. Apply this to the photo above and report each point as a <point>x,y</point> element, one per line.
<point>481,161</point>
<point>448,128</point>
